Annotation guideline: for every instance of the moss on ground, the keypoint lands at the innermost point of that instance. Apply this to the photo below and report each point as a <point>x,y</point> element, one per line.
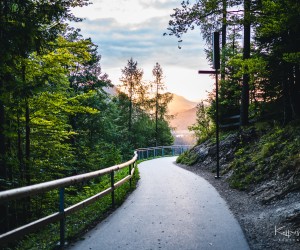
<point>273,151</point>
<point>276,153</point>
<point>187,158</point>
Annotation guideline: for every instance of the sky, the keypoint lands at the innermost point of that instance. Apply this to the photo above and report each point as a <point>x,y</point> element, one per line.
<point>125,29</point>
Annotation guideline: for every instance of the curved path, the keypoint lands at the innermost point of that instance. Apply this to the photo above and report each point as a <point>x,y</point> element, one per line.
<point>171,209</point>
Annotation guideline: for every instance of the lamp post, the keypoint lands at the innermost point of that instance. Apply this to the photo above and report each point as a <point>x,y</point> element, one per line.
<point>216,67</point>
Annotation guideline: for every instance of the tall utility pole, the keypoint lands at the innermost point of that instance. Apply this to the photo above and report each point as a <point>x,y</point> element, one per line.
<point>216,66</point>
<point>244,120</point>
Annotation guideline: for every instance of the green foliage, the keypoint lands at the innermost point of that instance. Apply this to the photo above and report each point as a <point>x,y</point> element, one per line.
<point>276,153</point>
<point>55,118</point>
<point>79,222</point>
<point>263,76</point>
<point>203,128</point>
<point>187,158</point>
<point>142,110</point>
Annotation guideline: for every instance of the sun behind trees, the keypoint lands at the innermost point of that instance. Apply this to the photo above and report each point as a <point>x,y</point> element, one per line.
<point>145,106</point>
<point>260,54</point>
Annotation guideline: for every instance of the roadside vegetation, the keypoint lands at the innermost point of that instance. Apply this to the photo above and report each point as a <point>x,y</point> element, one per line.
<point>56,116</point>
<point>274,153</point>
<point>259,88</point>
<point>80,222</point>
<point>268,152</point>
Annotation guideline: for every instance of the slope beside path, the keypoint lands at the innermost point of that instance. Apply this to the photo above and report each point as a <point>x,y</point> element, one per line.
<point>171,209</point>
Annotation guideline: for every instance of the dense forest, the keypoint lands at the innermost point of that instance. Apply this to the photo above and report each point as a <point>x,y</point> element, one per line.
<point>56,119</point>
<point>259,112</point>
<point>260,58</point>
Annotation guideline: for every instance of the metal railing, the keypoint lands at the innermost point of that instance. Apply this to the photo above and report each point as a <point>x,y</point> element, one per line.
<point>27,191</point>
<point>61,184</point>
<point>161,151</point>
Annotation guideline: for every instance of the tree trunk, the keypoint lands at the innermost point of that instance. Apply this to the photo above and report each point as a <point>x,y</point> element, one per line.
<point>296,91</point>
<point>130,108</point>
<point>287,115</point>
<point>156,116</point>
<point>244,112</point>
<point>20,154</point>
<point>3,173</point>
<point>224,27</point>
<point>27,143</point>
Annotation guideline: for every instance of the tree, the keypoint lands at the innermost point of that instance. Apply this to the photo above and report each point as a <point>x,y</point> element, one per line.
<point>203,128</point>
<point>244,113</point>
<point>132,85</point>
<point>25,27</point>
<point>212,16</point>
<point>95,134</point>
<point>148,108</point>
<point>209,15</point>
<point>161,100</point>
<point>277,39</point>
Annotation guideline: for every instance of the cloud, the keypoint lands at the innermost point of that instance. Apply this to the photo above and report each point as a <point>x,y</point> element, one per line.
<point>126,11</point>
<point>142,39</point>
<point>144,42</point>
<point>159,4</point>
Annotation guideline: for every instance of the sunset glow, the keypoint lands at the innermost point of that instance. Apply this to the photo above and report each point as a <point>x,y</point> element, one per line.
<point>134,28</point>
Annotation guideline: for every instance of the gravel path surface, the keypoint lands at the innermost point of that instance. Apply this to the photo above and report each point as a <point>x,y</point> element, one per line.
<point>171,209</point>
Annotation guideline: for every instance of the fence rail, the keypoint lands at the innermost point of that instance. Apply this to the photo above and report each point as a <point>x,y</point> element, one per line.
<point>161,151</point>
<point>61,184</point>
<point>18,193</point>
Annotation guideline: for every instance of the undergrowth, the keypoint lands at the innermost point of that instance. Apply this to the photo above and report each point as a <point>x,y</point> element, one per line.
<point>275,153</point>
<point>187,158</point>
<point>79,222</point>
<point>272,151</point>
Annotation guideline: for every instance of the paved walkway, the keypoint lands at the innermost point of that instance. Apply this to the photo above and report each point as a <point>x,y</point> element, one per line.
<point>171,209</point>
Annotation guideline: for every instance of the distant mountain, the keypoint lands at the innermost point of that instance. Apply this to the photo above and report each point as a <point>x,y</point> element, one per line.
<point>184,119</point>
<point>180,104</point>
<point>184,112</point>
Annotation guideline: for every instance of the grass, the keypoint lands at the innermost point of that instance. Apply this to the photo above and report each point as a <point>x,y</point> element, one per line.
<point>274,154</point>
<point>187,158</point>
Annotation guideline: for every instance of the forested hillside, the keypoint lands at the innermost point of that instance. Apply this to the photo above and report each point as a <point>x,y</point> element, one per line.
<point>259,113</point>
<point>260,54</point>
<point>56,119</point>
<point>259,82</point>
<point>260,61</point>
